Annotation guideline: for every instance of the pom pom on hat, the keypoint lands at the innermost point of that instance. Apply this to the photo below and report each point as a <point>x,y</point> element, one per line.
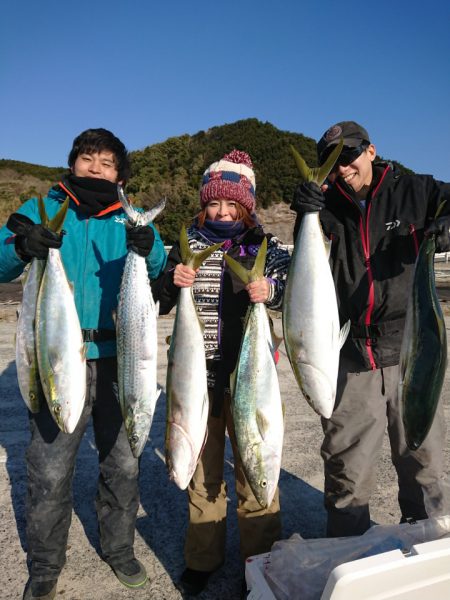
<point>232,178</point>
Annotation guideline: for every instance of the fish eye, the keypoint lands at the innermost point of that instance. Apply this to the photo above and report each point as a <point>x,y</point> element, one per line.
<point>264,483</point>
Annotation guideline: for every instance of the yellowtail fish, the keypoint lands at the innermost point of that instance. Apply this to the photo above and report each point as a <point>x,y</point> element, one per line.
<point>423,355</point>
<point>255,395</point>
<point>59,343</point>
<point>187,390</point>
<point>311,327</point>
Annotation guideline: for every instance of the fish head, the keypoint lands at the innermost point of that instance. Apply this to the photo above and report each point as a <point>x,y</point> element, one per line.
<point>181,457</point>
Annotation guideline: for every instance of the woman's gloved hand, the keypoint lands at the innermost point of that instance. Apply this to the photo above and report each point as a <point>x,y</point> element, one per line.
<point>308,197</point>
<point>33,240</point>
<point>140,239</point>
<point>441,228</point>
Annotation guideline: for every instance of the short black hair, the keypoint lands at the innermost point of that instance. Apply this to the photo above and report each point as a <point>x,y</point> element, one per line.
<point>98,140</point>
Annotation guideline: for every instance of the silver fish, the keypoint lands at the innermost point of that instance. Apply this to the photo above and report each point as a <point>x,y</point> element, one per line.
<point>26,355</point>
<point>137,339</point>
<point>311,327</point>
<point>423,355</point>
<point>187,390</point>
<point>59,344</point>
<point>256,401</point>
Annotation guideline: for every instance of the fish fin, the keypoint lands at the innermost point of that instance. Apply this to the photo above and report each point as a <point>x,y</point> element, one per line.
<point>262,422</point>
<point>345,330</point>
<point>194,259</point>
<point>55,224</point>
<point>319,174</point>
<point>248,275</point>
<point>42,212</point>
<point>276,340</point>
<point>440,207</point>
<point>233,381</point>
<point>327,243</point>
<point>137,217</point>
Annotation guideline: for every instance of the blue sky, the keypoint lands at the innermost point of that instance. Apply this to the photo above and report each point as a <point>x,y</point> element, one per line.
<point>151,70</point>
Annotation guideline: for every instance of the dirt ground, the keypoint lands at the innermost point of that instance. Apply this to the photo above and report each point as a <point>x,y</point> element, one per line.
<point>162,516</point>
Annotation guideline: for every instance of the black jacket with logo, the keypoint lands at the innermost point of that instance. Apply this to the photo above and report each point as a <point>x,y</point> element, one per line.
<point>373,254</point>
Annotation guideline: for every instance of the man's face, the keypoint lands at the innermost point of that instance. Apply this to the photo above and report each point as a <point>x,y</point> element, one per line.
<point>98,165</point>
<point>358,174</point>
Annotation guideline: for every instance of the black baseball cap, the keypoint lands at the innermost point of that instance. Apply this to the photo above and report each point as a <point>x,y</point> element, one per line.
<point>353,133</point>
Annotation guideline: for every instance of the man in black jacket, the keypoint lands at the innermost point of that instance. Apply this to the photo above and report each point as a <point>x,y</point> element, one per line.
<point>376,220</point>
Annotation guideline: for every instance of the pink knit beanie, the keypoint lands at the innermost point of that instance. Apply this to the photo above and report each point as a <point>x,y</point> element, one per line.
<point>232,178</point>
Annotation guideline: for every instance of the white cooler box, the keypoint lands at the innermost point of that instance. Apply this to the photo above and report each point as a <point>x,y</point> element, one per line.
<point>423,574</point>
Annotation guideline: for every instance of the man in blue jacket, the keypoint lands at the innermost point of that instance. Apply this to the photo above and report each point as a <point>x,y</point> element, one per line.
<point>376,220</point>
<point>93,252</point>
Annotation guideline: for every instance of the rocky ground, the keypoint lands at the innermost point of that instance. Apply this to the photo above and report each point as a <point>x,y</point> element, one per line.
<point>162,516</point>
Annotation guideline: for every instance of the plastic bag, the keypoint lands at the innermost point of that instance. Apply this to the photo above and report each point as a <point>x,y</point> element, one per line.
<point>300,568</point>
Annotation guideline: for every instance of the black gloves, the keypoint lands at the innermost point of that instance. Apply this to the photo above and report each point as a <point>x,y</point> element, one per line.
<point>441,228</point>
<point>32,240</point>
<point>140,239</point>
<point>308,197</point>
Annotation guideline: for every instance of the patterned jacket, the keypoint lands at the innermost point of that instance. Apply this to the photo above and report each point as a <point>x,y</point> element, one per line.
<point>221,298</point>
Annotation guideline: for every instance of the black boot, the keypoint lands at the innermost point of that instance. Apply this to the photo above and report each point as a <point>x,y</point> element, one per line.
<point>132,573</point>
<point>193,582</point>
<point>40,590</point>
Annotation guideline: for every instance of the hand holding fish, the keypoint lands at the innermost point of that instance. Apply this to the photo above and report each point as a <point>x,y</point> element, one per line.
<point>184,276</point>
<point>441,228</point>
<point>259,290</point>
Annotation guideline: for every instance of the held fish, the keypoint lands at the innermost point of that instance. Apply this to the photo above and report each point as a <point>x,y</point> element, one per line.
<point>423,355</point>
<point>256,404</point>
<point>187,390</point>
<point>137,340</point>
<point>311,327</point>
<point>59,343</point>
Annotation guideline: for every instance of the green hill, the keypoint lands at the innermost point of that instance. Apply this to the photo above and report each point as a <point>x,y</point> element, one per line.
<point>173,169</point>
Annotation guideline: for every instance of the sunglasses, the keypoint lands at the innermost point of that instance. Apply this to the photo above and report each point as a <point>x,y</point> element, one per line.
<point>346,157</point>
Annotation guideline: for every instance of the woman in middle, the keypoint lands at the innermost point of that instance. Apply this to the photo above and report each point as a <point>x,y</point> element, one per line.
<point>227,199</point>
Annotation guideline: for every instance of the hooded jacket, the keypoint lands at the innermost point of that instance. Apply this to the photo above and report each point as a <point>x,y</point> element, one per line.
<point>373,252</point>
<point>93,254</point>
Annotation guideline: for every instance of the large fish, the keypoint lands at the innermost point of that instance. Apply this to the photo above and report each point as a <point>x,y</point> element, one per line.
<point>186,386</point>
<point>311,327</point>
<point>256,401</point>
<point>137,339</point>
<point>26,355</point>
<point>59,343</point>
<point>423,355</point>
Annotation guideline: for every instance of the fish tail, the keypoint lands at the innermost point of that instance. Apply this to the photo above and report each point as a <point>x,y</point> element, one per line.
<point>55,224</point>
<point>248,275</point>
<point>135,216</point>
<point>318,175</point>
<point>194,259</point>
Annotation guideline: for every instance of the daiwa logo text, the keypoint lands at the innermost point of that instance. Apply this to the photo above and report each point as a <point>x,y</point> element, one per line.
<point>392,224</point>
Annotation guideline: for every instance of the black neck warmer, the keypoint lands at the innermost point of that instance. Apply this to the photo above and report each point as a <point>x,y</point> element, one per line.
<point>94,195</point>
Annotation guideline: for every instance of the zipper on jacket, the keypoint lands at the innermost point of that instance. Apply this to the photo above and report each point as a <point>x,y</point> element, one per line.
<point>366,248</point>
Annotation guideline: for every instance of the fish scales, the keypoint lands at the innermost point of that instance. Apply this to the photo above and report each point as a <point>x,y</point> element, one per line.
<point>423,355</point>
<point>187,392</point>
<point>60,347</point>
<point>137,340</point>
<point>310,318</point>
<point>257,407</point>
<point>137,351</point>
<point>26,355</point>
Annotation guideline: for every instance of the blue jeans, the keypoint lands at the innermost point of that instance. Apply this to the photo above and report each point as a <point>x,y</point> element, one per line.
<point>50,461</point>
